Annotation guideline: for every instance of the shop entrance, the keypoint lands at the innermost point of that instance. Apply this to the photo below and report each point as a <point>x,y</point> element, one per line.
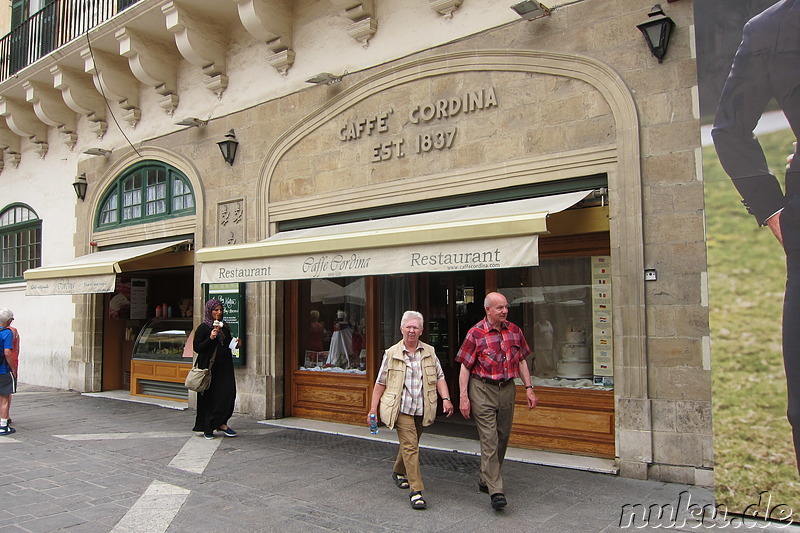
<point>138,298</point>
<point>451,302</point>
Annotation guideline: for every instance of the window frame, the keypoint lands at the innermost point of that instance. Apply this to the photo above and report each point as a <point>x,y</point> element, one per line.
<point>142,171</point>
<point>16,229</point>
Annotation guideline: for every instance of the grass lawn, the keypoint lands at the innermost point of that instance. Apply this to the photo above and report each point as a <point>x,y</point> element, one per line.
<point>747,274</point>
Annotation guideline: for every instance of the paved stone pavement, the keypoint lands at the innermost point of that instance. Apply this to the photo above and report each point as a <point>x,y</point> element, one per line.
<point>88,464</point>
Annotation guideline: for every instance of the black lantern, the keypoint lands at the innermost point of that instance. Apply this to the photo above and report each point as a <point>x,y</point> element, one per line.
<point>80,185</point>
<point>228,147</point>
<point>657,29</point>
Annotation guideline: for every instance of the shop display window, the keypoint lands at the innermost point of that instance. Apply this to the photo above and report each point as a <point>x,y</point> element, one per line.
<point>163,339</point>
<point>563,306</point>
<point>332,316</point>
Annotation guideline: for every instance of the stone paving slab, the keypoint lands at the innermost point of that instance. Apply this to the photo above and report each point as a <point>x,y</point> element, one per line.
<point>91,464</point>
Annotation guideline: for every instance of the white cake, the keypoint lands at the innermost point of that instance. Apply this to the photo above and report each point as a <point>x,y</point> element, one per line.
<point>575,353</point>
<point>569,370</point>
<point>576,336</point>
<point>576,361</point>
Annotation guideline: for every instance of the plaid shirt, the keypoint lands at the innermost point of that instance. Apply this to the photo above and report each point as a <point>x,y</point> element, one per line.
<point>411,402</point>
<point>492,354</point>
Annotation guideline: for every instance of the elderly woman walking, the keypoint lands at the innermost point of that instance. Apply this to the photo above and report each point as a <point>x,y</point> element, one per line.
<point>408,380</point>
<point>212,339</point>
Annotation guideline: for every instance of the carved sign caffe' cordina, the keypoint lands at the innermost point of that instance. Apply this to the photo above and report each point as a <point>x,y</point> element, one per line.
<point>441,138</point>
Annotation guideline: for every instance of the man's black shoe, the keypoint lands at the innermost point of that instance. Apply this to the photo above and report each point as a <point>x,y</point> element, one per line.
<point>483,488</point>
<point>498,501</point>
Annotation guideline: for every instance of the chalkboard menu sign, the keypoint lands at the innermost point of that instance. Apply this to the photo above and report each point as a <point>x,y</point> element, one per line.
<point>232,297</point>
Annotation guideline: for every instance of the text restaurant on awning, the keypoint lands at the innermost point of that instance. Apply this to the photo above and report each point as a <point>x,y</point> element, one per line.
<point>92,273</point>
<point>500,235</point>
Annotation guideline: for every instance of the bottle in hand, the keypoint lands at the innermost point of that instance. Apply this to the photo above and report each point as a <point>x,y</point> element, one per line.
<point>373,424</point>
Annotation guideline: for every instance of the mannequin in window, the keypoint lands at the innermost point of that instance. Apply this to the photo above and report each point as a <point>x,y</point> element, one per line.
<point>544,357</point>
<point>341,342</point>
<point>316,332</point>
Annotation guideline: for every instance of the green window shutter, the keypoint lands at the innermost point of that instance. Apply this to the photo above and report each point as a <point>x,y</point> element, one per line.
<point>19,12</point>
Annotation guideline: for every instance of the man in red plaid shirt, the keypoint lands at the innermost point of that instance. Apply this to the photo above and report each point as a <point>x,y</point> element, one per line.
<point>492,356</point>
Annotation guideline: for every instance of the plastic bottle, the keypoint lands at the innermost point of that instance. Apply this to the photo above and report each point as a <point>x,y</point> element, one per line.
<point>373,424</point>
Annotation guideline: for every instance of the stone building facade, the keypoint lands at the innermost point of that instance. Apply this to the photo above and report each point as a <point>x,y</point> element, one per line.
<point>500,110</point>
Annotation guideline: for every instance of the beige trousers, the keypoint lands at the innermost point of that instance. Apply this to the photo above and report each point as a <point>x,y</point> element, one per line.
<point>493,411</point>
<point>409,431</point>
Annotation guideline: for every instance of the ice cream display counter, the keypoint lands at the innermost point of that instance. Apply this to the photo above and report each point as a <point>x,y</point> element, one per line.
<point>158,365</point>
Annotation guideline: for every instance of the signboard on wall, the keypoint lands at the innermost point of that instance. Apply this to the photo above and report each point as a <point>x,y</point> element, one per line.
<point>602,338</point>
<point>139,298</point>
<point>232,297</point>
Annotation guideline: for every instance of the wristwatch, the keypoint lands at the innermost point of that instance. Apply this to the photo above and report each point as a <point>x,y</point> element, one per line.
<point>445,399</point>
<point>528,386</point>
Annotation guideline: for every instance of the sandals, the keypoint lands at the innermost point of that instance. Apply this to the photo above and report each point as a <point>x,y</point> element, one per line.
<point>417,501</point>
<point>400,480</point>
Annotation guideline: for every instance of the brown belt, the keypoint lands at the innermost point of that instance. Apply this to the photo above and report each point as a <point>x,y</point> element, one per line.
<point>499,383</point>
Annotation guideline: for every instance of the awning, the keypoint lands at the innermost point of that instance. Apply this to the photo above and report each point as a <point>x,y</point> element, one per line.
<point>501,235</point>
<point>92,273</point>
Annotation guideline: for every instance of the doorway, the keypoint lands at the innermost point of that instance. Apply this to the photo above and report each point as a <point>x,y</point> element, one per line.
<point>122,324</point>
<point>451,302</point>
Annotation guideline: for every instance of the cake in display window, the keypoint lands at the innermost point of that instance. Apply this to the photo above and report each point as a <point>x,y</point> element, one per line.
<point>576,361</point>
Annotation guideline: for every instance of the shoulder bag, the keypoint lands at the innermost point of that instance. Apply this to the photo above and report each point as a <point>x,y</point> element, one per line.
<point>199,379</point>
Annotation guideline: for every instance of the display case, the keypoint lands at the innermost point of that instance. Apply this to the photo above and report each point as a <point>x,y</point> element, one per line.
<point>158,365</point>
<point>163,339</point>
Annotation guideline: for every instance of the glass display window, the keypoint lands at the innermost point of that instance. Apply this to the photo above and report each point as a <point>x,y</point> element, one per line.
<point>563,306</point>
<point>163,339</point>
<point>333,331</point>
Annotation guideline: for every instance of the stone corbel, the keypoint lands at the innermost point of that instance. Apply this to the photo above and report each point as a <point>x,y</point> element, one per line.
<point>445,7</point>
<point>364,25</point>
<point>270,21</point>
<point>80,95</point>
<point>23,121</point>
<point>49,106</point>
<point>41,149</point>
<point>200,41</point>
<point>168,102</point>
<point>14,158</point>
<point>114,81</point>
<point>154,63</point>
<point>363,30</point>
<point>9,143</point>
<point>70,138</point>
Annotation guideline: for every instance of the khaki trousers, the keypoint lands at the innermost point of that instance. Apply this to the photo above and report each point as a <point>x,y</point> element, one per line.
<point>493,411</point>
<point>409,431</point>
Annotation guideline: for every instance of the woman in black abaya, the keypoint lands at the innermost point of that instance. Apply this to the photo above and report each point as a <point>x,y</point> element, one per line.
<point>215,405</point>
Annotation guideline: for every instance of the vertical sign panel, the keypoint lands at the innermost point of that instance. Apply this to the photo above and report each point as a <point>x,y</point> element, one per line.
<point>232,297</point>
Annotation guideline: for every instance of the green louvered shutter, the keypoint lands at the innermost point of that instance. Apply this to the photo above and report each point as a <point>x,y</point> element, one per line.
<point>48,24</point>
<point>19,36</point>
<point>19,12</point>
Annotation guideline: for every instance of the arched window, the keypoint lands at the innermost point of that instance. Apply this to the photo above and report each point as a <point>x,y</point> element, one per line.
<point>146,192</point>
<point>21,232</point>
